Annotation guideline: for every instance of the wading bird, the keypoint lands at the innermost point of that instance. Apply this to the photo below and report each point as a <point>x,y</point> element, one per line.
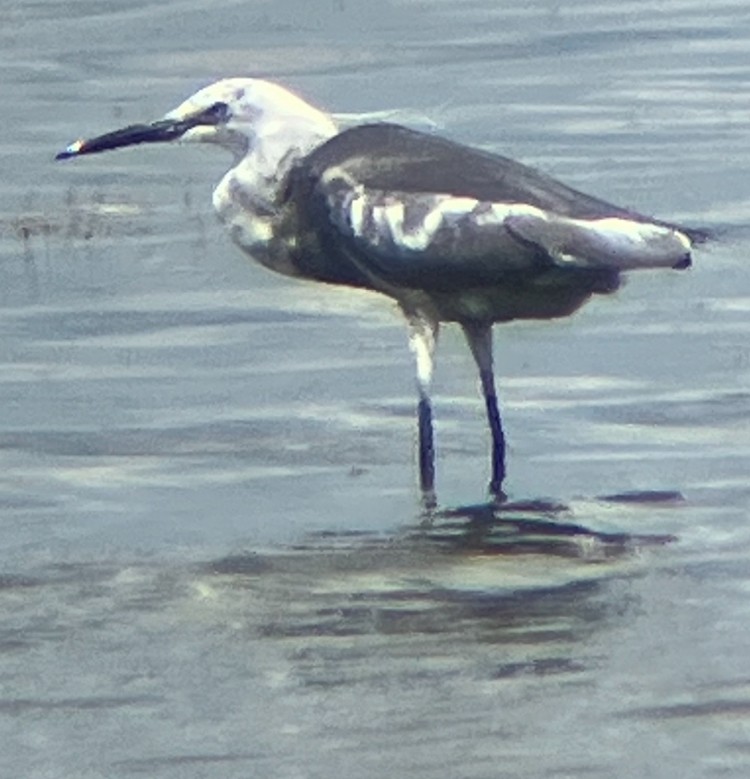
<point>453,234</point>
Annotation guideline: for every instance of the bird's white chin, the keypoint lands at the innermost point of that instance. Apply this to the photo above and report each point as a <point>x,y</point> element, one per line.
<point>234,142</point>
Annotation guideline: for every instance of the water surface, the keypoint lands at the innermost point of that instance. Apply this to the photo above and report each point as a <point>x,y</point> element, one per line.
<point>213,559</point>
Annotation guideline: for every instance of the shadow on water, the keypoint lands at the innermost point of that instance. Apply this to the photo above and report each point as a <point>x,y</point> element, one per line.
<point>520,577</point>
<point>439,626</point>
<point>538,527</point>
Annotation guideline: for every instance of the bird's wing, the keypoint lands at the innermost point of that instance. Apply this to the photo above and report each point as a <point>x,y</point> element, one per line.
<point>421,210</point>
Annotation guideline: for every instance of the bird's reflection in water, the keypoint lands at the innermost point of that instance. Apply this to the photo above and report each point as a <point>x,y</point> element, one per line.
<point>537,526</point>
<point>514,588</point>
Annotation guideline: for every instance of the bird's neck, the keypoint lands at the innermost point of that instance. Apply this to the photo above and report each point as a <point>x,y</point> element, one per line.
<point>276,144</point>
<point>280,146</point>
<point>247,197</point>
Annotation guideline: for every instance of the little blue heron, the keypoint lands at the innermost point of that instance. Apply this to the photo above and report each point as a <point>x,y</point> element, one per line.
<point>452,233</point>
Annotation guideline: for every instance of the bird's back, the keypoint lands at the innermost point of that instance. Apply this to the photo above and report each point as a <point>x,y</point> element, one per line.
<point>386,207</point>
<point>389,157</point>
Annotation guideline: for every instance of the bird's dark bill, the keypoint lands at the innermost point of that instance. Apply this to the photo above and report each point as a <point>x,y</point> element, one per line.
<point>156,132</point>
<point>160,131</point>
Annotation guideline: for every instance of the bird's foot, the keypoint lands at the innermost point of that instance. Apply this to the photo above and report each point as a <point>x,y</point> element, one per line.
<point>496,494</point>
<point>429,502</point>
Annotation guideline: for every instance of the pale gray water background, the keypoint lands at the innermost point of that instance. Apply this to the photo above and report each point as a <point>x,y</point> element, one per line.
<point>212,563</point>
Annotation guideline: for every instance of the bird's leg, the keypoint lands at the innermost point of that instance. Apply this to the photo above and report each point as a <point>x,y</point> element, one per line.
<point>423,333</point>
<point>479,336</point>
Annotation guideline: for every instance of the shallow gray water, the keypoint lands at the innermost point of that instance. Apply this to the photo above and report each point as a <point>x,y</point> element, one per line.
<point>213,561</point>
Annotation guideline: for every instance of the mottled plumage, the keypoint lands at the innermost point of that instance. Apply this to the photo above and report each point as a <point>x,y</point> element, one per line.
<point>450,232</point>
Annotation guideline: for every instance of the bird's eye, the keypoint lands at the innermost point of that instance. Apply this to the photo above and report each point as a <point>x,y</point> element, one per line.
<point>220,111</point>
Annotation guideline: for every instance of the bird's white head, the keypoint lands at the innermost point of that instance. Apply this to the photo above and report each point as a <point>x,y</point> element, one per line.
<point>239,114</point>
<point>250,112</point>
